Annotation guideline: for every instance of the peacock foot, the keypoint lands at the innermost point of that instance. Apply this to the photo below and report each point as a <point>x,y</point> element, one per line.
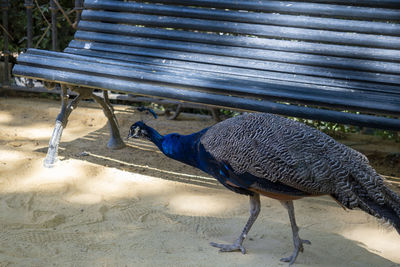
<point>298,247</point>
<point>229,248</point>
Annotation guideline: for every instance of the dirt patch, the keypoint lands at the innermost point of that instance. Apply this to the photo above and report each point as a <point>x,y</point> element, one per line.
<point>135,207</point>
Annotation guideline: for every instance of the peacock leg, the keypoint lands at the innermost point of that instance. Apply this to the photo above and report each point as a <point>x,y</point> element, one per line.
<point>298,243</point>
<point>254,211</point>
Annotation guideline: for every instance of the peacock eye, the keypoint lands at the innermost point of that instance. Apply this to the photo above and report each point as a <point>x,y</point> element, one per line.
<point>143,132</point>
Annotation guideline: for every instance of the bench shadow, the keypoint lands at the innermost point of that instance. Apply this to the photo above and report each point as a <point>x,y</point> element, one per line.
<point>138,156</point>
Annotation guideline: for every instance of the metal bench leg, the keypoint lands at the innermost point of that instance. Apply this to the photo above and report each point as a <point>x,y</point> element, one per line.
<point>177,112</point>
<point>107,100</point>
<point>61,122</point>
<point>115,141</point>
<point>215,114</point>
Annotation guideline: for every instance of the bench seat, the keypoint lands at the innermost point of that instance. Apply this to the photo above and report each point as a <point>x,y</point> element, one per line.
<point>222,86</point>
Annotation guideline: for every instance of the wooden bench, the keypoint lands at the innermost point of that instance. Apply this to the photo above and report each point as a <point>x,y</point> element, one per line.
<point>336,61</point>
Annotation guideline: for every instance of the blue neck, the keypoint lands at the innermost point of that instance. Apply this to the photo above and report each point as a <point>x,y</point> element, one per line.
<point>155,137</point>
<point>182,147</point>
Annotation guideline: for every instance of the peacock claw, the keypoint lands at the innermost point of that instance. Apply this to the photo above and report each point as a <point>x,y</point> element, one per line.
<point>229,248</point>
<point>298,248</point>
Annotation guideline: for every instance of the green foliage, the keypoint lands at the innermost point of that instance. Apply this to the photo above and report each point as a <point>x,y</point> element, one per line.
<point>337,130</point>
<point>390,135</point>
<point>41,38</point>
<point>229,113</point>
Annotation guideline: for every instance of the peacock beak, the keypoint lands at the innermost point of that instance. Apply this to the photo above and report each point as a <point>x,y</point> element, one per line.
<point>134,132</point>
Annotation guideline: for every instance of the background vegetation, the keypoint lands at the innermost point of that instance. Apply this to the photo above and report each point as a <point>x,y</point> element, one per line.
<point>41,14</point>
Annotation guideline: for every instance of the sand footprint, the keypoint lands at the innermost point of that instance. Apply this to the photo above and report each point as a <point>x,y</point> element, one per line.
<point>40,237</point>
<point>145,216</point>
<point>202,225</point>
<point>133,214</point>
<point>19,201</point>
<point>149,217</point>
<point>47,219</point>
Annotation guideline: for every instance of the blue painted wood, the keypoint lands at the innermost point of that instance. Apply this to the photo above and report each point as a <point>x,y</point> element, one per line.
<point>371,3</point>
<point>271,31</point>
<point>190,62</point>
<point>269,65</point>
<point>124,54</point>
<point>317,9</point>
<point>241,41</point>
<point>239,103</point>
<point>210,82</point>
<point>299,21</point>
<point>227,56</point>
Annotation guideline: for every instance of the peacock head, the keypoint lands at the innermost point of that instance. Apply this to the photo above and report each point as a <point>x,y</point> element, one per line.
<point>139,130</point>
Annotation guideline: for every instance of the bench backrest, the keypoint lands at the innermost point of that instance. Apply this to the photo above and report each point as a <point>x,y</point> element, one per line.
<point>332,46</point>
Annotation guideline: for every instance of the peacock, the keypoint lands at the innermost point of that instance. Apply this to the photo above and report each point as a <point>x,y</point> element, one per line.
<point>265,154</point>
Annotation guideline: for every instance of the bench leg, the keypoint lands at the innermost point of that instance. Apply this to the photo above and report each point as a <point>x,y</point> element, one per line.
<point>177,112</point>
<point>115,141</point>
<point>215,114</point>
<point>61,122</point>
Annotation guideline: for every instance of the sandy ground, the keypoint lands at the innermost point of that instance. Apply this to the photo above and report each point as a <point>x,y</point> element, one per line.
<point>135,207</point>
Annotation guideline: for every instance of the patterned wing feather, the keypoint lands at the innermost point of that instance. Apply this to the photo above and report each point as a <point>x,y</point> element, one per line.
<point>278,149</point>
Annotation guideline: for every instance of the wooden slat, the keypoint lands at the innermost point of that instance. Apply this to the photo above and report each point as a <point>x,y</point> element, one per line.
<point>191,61</point>
<point>267,65</point>
<point>370,3</point>
<point>389,95</point>
<point>208,82</point>
<point>349,38</point>
<point>297,21</point>
<point>242,41</point>
<point>119,85</point>
<point>281,56</point>
<point>306,81</point>
<point>291,7</point>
